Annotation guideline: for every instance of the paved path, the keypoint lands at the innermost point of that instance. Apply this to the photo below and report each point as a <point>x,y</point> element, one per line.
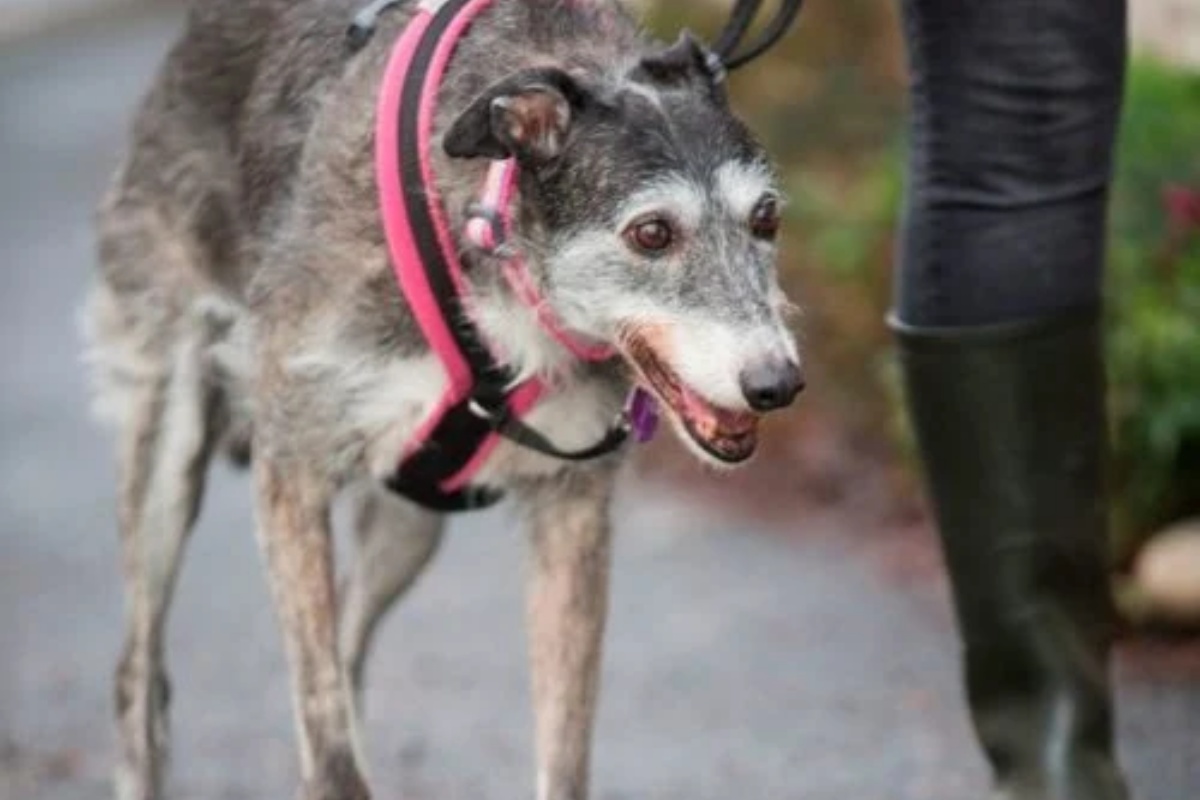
<point>20,19</point>
<point>741,663</point>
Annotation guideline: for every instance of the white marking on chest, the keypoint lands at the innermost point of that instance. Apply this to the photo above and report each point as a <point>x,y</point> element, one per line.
<point>387,403</point>
<point>383,401</point>
<point>392,406</point>
<point>516,336</point>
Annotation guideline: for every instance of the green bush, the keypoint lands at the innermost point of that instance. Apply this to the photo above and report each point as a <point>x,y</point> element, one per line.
<point>1154,305</point>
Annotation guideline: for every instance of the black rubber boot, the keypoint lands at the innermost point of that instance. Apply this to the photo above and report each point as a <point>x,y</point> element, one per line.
<point>1011,425</point>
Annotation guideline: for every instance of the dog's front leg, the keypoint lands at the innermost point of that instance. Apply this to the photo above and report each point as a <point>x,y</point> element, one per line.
<point>396,541</point>
<point>294,532</point>
<point>567,606</point>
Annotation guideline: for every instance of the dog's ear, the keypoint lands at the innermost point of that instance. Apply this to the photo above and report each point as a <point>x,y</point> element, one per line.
<point>526,115</point>
<point>681,63</point>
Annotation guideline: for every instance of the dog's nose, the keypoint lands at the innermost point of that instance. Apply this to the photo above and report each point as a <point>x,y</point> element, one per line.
<point>769,385</point>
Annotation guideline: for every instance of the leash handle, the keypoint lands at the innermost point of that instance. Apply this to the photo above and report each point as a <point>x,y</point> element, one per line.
<point>734,32</point>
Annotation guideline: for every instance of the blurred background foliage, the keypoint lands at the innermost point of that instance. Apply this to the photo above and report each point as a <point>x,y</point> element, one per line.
<point>1154,303</point>
<point>830,105</point>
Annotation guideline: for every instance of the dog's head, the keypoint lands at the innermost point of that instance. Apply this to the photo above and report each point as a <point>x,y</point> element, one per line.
<point>651,214</point>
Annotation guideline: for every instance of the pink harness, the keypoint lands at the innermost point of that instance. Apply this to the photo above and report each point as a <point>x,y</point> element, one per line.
<point>479,405</point>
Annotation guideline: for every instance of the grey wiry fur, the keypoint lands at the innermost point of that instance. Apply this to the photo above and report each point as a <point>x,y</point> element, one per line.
<point>245,303</point>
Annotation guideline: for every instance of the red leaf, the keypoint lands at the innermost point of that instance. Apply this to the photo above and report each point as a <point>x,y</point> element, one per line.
<point>1182,204</point>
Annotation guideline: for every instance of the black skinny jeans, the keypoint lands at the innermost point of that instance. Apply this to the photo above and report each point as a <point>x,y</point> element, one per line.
<point>1015,106</point>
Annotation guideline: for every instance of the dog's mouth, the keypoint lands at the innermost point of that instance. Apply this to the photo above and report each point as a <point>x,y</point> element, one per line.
<point>727,435</point>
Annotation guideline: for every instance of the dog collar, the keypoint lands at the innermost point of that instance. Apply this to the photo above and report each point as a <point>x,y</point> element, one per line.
<point>481,403</point>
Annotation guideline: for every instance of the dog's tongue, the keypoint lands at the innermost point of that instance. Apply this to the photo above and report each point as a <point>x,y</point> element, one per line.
<point>715,423</point>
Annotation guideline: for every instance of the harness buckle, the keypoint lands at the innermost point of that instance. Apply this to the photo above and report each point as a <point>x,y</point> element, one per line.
<point>489,402</point>
<point>480,410</point>
<point>716,66</point>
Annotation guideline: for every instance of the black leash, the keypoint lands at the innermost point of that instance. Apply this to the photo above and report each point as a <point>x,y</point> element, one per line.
<point>727,42</point>
<point>731,37</point>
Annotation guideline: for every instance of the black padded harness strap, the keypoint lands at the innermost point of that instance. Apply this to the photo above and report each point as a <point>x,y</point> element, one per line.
<point>450,447</point>
<point>465,334</point>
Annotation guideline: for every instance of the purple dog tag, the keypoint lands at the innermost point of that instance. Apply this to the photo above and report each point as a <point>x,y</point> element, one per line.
<point>643,415</point>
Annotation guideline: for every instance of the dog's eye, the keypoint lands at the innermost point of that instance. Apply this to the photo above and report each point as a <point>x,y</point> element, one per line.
<point>652,236</point>
<point>764,220</point>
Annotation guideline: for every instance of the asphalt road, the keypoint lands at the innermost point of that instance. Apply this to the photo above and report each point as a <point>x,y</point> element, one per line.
<point>740,663</point>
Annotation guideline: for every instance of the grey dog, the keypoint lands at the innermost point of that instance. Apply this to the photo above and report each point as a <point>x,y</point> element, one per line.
<point>246,305</point>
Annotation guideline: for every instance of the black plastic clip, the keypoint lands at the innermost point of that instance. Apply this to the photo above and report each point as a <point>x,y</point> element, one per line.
<point>363,27</point>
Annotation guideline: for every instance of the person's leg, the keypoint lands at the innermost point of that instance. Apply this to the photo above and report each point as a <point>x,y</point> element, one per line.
<point>1015,106</point>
